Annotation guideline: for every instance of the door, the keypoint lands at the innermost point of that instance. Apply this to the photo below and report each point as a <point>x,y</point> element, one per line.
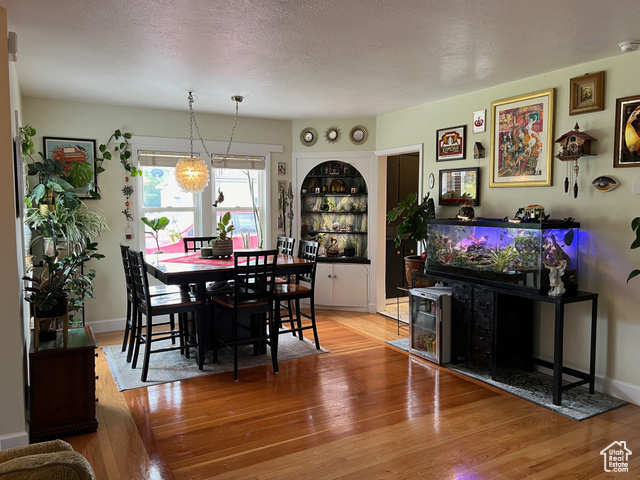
<point>403,173</point>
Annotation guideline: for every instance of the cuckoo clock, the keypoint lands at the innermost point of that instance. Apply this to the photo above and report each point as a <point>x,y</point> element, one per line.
<point>574,144</point>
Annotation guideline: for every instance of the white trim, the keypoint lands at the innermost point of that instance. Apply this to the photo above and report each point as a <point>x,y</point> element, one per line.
<point>13,440</point>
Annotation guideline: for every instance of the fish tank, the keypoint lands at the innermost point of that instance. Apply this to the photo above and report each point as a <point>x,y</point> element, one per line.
<point>513,255</point>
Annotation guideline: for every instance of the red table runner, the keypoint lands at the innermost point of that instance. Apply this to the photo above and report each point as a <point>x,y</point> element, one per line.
<point>198,260</point>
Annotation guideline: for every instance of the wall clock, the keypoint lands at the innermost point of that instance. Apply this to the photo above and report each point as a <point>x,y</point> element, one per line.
<point>308,136</point>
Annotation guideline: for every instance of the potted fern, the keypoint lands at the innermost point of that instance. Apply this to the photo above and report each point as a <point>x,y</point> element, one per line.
<point>223,245</point>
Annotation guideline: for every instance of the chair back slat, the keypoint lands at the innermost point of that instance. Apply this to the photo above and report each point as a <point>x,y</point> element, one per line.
<point>124,251</point>
<point>309,251</point>
<point>140,280</point>
<point>254,275</point>
<point>194,244</point>
<point>285,245</point>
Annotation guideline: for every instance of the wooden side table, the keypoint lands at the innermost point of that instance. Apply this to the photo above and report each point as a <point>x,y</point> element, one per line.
<point>62,385</point>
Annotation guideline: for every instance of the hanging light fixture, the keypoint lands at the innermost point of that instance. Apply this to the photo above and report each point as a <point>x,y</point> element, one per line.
<point>192,173</point>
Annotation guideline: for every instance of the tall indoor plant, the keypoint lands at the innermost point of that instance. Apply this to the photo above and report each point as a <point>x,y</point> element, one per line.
<point>414,218</point>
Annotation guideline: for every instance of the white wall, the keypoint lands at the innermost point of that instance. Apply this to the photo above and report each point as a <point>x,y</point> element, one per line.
<point>95,121</point>
<point>605,217</point>
<point>12,344</point>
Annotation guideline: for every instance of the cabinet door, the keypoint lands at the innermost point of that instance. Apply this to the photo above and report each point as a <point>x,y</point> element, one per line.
<point>324,284</point>
<point>350,285</point>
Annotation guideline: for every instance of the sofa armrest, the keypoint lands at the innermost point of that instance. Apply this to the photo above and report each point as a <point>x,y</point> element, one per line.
<point>35,449</point>
<point>65,465</point>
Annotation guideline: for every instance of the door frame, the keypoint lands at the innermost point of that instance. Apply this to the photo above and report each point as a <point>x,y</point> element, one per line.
<point>381,217</point>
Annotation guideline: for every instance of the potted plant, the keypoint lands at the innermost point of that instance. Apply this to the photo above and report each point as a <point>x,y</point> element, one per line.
<point>223,245</point>
<point>414,218</point>
<point>156,224</point>
<point>349,248</point>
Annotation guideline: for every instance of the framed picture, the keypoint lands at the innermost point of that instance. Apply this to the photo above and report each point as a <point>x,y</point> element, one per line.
<point>459,186</point>
<point>479,121</point>
<point>282,168</point>
<point>522,140</point>
<point>626,152</point>
<point>451,143</point>
<point>71,151</point>
<point>586,93</point>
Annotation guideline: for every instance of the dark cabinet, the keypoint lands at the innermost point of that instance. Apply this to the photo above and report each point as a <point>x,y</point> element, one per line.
<point>62,386</point>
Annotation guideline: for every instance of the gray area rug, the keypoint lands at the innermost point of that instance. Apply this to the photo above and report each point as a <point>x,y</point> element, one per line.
<point>171,366</point>
<point>535,387</point>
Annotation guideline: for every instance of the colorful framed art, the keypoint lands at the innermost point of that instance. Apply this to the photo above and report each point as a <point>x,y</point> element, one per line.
<point>586,93</point>
<point>522,140</point>
<point>72,151</point>
<point>626,151</point>
<point>451,143</point>
<point>459,186</point>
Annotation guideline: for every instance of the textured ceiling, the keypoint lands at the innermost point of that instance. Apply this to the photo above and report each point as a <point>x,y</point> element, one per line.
<point>295,59</point>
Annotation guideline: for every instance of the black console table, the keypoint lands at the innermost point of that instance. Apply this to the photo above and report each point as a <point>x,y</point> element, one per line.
<point>559,303</point>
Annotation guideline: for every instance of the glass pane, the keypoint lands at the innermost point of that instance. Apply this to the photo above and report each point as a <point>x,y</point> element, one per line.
<point>169,239</point>
<point>235,186</point>
<point>160,189</point>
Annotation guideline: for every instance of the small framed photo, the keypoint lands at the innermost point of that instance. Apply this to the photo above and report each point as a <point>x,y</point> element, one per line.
<point>459,186</point>
<point>586,93</point>
<point>74,153</point>
<point>451,143</point>
<point>479,121</point>
<point>282,168</point>
<point>626,151</point>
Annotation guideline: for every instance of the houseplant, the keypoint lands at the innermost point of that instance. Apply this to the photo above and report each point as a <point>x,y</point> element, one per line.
<point>413,218</point>
<point>223,245</point>
<point>156,224</point>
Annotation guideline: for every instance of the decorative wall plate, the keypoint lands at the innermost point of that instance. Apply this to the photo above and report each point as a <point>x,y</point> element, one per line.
<point>308,136</point>
<point>332,134</point>
<point>358,135</point>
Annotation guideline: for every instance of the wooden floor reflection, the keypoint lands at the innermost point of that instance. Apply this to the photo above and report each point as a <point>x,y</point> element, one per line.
<point>364,411</point>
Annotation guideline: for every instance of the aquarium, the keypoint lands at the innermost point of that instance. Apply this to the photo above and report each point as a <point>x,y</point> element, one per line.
<point>517,255</point>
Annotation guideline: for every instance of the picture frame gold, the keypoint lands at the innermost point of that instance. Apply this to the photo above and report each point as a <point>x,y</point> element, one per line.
<point>626,151</point>
<point>522,140</point>
<point>586,93</point>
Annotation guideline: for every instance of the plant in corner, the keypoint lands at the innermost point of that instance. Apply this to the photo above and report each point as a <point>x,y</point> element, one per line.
<point>413,219</point>
<point>223,245</point>
<point>635,226</point>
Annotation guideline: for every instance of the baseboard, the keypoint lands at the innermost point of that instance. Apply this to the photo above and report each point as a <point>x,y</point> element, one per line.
<point>18,439</point>
<point>614,388</point>
<point>112,325</point>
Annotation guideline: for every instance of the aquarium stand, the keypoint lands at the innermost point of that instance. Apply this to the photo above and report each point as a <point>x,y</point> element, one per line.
<point>483,327</point>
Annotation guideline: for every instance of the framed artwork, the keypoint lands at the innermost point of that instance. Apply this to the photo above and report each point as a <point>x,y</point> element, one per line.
<point>522,140</point>
<point>459,186</point>
<point>586,93</point>
<point>71,151</point>
<point>479,121</point>
<point>282,168</point>
<point>451,143</point>
<point>626,152</point>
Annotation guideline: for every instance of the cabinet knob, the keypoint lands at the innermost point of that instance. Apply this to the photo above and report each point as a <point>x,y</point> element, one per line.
<point>97,377</point>
<point>97,399</point>
<point>329,276</point>
<point>411,251</point>
<point>398,252</point>
<point>96,355</point>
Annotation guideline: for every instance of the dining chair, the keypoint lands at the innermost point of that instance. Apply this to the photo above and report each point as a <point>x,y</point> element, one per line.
<point>194,244</point>
<point>251,299</point>
<point>294,292</point>
<point>285,245</point>
<point>169,304</point>
<point>154,291</point>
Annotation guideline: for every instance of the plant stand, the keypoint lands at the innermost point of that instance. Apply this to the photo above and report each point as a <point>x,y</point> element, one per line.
<point>46,318</point>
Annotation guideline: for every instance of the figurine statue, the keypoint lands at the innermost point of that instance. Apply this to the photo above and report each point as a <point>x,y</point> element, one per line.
<point>555,278</point>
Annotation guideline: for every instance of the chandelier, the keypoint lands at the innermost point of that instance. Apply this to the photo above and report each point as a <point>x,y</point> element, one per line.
<point>192,172</point>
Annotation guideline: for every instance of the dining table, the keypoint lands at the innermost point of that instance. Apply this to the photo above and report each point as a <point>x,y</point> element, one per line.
<point>193,271</point>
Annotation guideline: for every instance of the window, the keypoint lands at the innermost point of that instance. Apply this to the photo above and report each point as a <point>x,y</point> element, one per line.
<point>161,197</point>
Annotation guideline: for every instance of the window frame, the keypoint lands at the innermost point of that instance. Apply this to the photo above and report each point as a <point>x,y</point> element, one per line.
<point>204,222</point>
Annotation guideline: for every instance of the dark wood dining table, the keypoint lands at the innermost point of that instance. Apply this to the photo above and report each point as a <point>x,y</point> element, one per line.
<point>177,269</point>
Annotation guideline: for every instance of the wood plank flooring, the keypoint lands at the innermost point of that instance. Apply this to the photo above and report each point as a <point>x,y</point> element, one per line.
<point>365,410</point>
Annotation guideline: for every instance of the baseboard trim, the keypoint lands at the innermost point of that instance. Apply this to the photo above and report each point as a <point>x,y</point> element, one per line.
<point>13,440</point>
<point>614,388</point>
<point>102,326</point>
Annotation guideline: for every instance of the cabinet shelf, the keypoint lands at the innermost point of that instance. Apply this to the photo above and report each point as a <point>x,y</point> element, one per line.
<point>343,232</point>
<point>342,259</point>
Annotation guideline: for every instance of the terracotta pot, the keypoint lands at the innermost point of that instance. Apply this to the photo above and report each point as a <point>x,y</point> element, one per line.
<point>222,248</point>
<point>415,263</point>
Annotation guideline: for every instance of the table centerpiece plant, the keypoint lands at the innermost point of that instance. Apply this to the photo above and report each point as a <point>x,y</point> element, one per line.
<point>223,245</point>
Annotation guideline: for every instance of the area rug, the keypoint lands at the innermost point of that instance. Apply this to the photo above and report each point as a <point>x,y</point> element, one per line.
<point>535,387</point>
<point>171,366</point>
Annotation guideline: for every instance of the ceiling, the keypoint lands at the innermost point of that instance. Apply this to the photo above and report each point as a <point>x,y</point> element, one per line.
<point>302,59</point>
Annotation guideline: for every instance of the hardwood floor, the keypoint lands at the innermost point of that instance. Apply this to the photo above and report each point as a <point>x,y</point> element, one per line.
<point>366,410</point>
